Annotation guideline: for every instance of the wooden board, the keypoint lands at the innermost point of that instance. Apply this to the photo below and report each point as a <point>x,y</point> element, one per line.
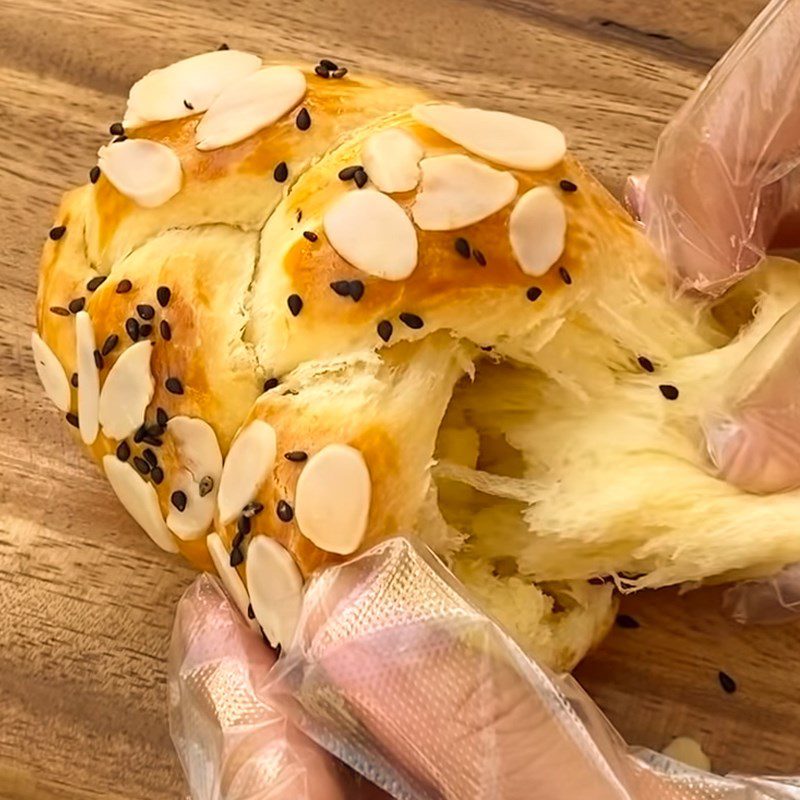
<point>86,601</point>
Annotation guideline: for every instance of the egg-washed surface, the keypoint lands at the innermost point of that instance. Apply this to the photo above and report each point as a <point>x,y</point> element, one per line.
<point>299,311</point>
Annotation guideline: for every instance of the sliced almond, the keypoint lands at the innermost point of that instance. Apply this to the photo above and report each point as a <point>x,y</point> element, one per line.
<point>332,499</point>
<point>250,105</point>
<point>372,232</point>
<point>127,391</point>
<point>229,575</point>
<point>249,461</point>
<point>276,589</point>
<point>505,138</point>
<point>149,173</point>
<point>88,378</point>
<point>197,476</point>
<point>51,373</point>
<point>458,191</point>
<point>391,159</point>
<point>186,87</point>
<point>688,751</point>
<point>139,500</point>
<point>537,228</point>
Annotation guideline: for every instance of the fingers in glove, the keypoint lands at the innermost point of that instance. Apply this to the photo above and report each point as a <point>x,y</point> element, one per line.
<point>426,696</point>
<point>754,438</point>
<point>232,741</point>
<point>725,169</point>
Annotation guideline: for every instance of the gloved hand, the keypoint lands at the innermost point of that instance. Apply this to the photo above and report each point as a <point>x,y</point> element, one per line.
<point>398,674</point>
<point>724,185</point>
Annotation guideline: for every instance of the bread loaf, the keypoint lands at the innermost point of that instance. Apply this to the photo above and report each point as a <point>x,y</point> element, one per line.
<point>301,311</point>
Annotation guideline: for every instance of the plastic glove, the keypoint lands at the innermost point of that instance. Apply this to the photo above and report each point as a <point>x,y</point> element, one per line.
<point>724,182</point>
<point>233,742</point>
<point>398,674</point>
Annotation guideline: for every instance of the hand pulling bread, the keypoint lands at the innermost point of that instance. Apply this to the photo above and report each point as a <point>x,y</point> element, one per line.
<point>309,311</point>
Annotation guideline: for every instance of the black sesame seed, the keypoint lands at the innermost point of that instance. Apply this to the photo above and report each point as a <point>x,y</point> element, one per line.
<point>110,343</point>
<point>178,499</point>
<point>116,129</point>
<point>360,178</point>
<point>72,419</point>
<point>281,172</point>
<point>284,511</point>
<point>326,63</point>
<point>163,295</point>
<point>299,214</point>
<point>173,385</point>
<point>95,283</point>
<point>479,257</point>
<point>60,310</point>
<point>236,557</point>
<point>565,276</point>
<point>150,457</point>
<point>462,247</point>
<point>165,330</point>
<point>145,311</point>
<point>132,328</point>
<point>342,288</point>
<point>148,438</point>
<point>57,232</point>
<point>145,330</point>
<point>627,621</point>
<point>154,430</point>
<point>124,286</point>
<point>74,379</point>
<point>224,46</point>
<point>141,465</point>
<point>206,485</point>
<point>243,525</point>
<point>161,417</point>
<point>348,173</point>
<point>311,236</point>
<point>669,391</point>
<point>487,348</point>
<point>296,455</point>
<point>339,73</point>
<point>270,383</point>
<point>411,320</point>
<point>157,475</point>
<point>77,305</point>
<point>250,613</point>
<point>385,329</point>
<point>188,105</point>
<point>726,682</point>
<point>98,359</point>
<point>646,364</point>
<point>141,432</point>
<point>295,303</point>
<point>94,174</point>
<point>123,451</point>
<point>356,290</point>
<point>117,139</point>
<point>321,71</point>
<point>533,294</point>
<point>303,120</point>
<point>568,186</point>
<point>252,508</point>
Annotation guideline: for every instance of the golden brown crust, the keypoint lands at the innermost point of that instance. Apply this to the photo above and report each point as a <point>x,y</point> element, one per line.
<point>229,281</point>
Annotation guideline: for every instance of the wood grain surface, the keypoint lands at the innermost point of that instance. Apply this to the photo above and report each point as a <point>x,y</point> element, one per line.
<point>86,601</point>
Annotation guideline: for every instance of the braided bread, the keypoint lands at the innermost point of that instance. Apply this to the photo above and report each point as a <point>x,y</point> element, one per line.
<point>296,311</point>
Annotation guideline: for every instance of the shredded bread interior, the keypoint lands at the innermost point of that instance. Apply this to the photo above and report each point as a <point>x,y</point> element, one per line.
<point>560,478</point>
